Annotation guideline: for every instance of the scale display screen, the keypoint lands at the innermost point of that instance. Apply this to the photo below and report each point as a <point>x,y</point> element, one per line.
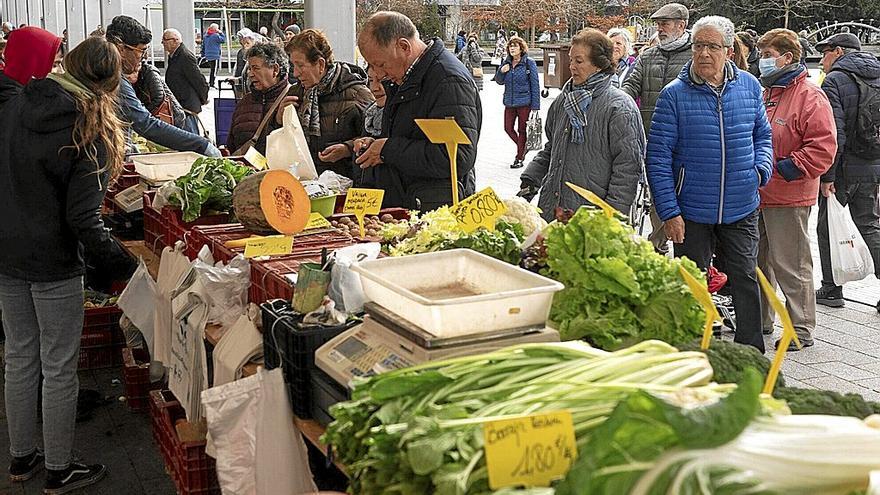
<point>351,348</point>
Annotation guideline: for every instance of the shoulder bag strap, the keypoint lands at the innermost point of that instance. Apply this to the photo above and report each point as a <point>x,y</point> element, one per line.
<point>271,113</point>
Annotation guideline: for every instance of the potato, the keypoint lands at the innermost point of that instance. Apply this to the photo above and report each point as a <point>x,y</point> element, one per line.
<point>387,218</point>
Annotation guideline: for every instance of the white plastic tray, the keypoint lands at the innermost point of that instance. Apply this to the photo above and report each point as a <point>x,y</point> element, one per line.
<point>161,167</point>
<point>458,292</point>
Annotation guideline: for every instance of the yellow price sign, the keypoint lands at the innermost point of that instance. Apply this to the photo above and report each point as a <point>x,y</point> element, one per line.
<point>362,202</point>
<point>448,132</point>
<point>256,159</point>
<point>701,294</point>
<point>530,450</point>
<point>317,221</point>
<point>480,210</point>
<point>593,198</point>
<point>268,246</point>
<point>788,333</point>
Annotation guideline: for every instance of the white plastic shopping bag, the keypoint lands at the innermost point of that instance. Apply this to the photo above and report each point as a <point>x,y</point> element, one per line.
<point>850,257</point>
<point>138,302</point>
<point>345,285</point>
<point>287,148</point>
<point>258,448</point>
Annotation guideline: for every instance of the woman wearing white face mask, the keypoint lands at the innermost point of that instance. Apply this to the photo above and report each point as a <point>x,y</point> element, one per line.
<point>804,146</point>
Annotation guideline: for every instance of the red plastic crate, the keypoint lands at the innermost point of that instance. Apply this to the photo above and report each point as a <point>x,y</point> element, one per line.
<point>215,237</point>
<point>176,229</point>
<point>194,472</point>
<point>154,230</point>
<point>136,378</point>
<point>102,339</point>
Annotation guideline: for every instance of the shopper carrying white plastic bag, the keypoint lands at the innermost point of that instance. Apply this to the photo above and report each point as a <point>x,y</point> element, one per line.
<point>259,449</point>
<point>850,257</point>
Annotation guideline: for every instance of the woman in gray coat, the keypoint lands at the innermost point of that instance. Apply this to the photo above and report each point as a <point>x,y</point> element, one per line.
<point>595,137</point>
<point>472,58</point>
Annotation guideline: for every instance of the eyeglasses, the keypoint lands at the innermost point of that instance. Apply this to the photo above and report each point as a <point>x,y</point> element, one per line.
<point>169,39</point>
<point>712,47</point>
<point>141,52</point>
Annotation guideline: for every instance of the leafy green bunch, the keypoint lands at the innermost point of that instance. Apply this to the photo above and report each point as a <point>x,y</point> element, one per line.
<point>208,186</point>
<point>617,289</point>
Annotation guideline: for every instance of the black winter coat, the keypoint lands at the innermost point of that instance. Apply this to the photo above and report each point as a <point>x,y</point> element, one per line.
<point>249,112</point>
<point>151,89</point>
<point>9,89</point>
<point>416,173</point>
<point>50,195</point>
<point>843,94</point>
<point>186,81</point>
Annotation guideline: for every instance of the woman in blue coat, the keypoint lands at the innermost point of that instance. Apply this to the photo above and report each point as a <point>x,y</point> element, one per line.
<point>519,76</point>
<point>211,49</point>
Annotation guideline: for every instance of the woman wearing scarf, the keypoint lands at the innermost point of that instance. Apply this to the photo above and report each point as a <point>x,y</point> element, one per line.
<point>331,101</point>
<point>61,142</point>
<point>595,137</point>
<point>624,59</point>
<point>804,146</point>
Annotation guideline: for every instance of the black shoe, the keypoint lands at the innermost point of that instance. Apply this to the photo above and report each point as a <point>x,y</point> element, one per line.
<point>792,347</point>
<point>74,477</point>
<point>831,296</point>
<point>517,164</point>
<point>24,468</point>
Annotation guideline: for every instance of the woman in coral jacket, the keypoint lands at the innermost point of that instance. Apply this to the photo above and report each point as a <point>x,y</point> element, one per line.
<point>804,145</point>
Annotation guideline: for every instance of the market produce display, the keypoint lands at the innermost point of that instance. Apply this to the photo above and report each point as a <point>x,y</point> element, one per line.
<point>438,231</point>
<point>417,430</point>
<point>95,299</point>
<point>730,360</point>
<point>373,224</point>
<point>207,187</point>
<point>617,289</point>
<point>270,202</point>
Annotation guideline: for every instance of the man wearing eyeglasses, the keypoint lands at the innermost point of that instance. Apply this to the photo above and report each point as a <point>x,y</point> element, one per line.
<point>654,69</point>
<point>709,150</point>
<point>184,78</point>
<point>132,40</point>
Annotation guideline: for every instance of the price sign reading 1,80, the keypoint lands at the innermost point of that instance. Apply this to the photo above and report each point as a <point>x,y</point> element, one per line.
<point>480,210</point>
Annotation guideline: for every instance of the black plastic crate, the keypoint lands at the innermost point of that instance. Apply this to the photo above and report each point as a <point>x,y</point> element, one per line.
<point>325,393</point>
<point>290,345</point>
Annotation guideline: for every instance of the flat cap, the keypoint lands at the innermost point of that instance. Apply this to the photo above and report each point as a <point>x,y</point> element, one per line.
<point>843,40</point>
<point>674,11</point>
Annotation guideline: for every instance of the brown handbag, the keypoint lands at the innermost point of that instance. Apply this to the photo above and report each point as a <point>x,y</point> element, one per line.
<point>164,112</point>
<point>269,115</point>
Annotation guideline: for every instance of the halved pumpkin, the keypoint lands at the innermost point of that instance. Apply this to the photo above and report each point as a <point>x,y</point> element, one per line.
<point>271,201</point>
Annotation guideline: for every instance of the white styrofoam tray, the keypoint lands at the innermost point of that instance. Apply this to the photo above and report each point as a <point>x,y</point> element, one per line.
<point>159,167</point>
<point>506,296</point>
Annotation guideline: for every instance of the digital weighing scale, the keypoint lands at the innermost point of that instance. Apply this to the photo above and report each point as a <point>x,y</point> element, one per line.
<point>386,341</point>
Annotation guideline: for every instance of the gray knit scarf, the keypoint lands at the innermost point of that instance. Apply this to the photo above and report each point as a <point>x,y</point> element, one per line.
<point>679,43</point>
<point>311,118</point>
<point>576,101</point>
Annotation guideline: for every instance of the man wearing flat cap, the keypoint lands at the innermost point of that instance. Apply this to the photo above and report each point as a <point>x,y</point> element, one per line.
<point>657,67</point>
<point>852,83</point>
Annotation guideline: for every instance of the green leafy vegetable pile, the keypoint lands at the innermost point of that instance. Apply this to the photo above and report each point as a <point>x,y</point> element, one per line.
<point>438,231</point>
<point>617,289</point>
<point>730,360</point>
<point>810,401</point>
<point>208,186</point>
<point>418,430</point>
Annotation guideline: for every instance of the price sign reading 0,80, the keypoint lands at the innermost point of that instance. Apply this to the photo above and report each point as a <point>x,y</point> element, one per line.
<point>480,210</point>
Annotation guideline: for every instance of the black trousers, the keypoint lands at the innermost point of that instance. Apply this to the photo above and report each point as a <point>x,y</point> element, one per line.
<point>212,64</point>
<point>738,242</point>
<point>865,212</point>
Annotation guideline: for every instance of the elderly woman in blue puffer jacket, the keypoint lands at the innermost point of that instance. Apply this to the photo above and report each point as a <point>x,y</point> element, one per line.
<point>519,75</point>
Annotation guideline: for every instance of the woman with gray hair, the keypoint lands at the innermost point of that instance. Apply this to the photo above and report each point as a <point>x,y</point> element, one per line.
<point>253,118</point>
<point>624,58</point>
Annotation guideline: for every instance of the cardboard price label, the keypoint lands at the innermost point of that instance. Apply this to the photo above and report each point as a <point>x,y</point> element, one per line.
<point>363,202</point>
<point>480,210</point>
<point>529,451</point>
<point>317,221</point>
<point>449,133</point>
<point>268,246</point>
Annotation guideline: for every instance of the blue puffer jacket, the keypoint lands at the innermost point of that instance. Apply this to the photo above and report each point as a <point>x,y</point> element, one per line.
<point>211,48</point>
<point>521,85</point>
<point>707,155</point>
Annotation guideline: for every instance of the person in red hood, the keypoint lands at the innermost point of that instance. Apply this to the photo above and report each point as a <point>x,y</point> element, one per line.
<point>31,53</point>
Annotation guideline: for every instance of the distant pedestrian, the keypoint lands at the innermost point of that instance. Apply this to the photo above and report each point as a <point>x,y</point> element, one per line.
<point>804,146</point>
<point>852,77</point>
<point>518,74</point>
<point>624,59</point>
<point>472,58</point>
<point>248,39</point>
<point>184,78</point>
<point>211,49</point>
<point>290,32</point>
<point>500,47</point>
<point>754,55</point>
<point>460,41</point>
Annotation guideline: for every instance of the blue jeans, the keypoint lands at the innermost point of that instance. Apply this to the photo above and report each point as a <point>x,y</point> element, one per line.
<point>43,323</point>
<point>191,124</point>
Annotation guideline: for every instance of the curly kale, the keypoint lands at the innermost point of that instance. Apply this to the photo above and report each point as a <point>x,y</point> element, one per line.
<point>729,360</point>
<point>811,401</point>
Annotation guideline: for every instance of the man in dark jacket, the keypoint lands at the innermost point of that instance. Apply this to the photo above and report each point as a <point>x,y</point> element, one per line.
<point>852,178</point>
<point>430,84</point>
<point>131,38</point>
<point>184,78</point>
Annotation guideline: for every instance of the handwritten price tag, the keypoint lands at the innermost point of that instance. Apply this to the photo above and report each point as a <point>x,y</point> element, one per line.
<point>531,451</point>
<point>256,159</point>
<point>480,210</point>
<point>317,221</point>
<point>268,246</point>
<point>363,202</point>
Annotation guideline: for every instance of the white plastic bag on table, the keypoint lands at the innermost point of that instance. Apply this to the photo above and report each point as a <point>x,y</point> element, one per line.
<point>138,302</point>
<point>258,448</point>
<point>173,266</point>
<point>239,344</point>
<point>345,285</point>
<point>287,148</point>
<point>226,287</point>
<point>850,257</point>
<point>338,183</point>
